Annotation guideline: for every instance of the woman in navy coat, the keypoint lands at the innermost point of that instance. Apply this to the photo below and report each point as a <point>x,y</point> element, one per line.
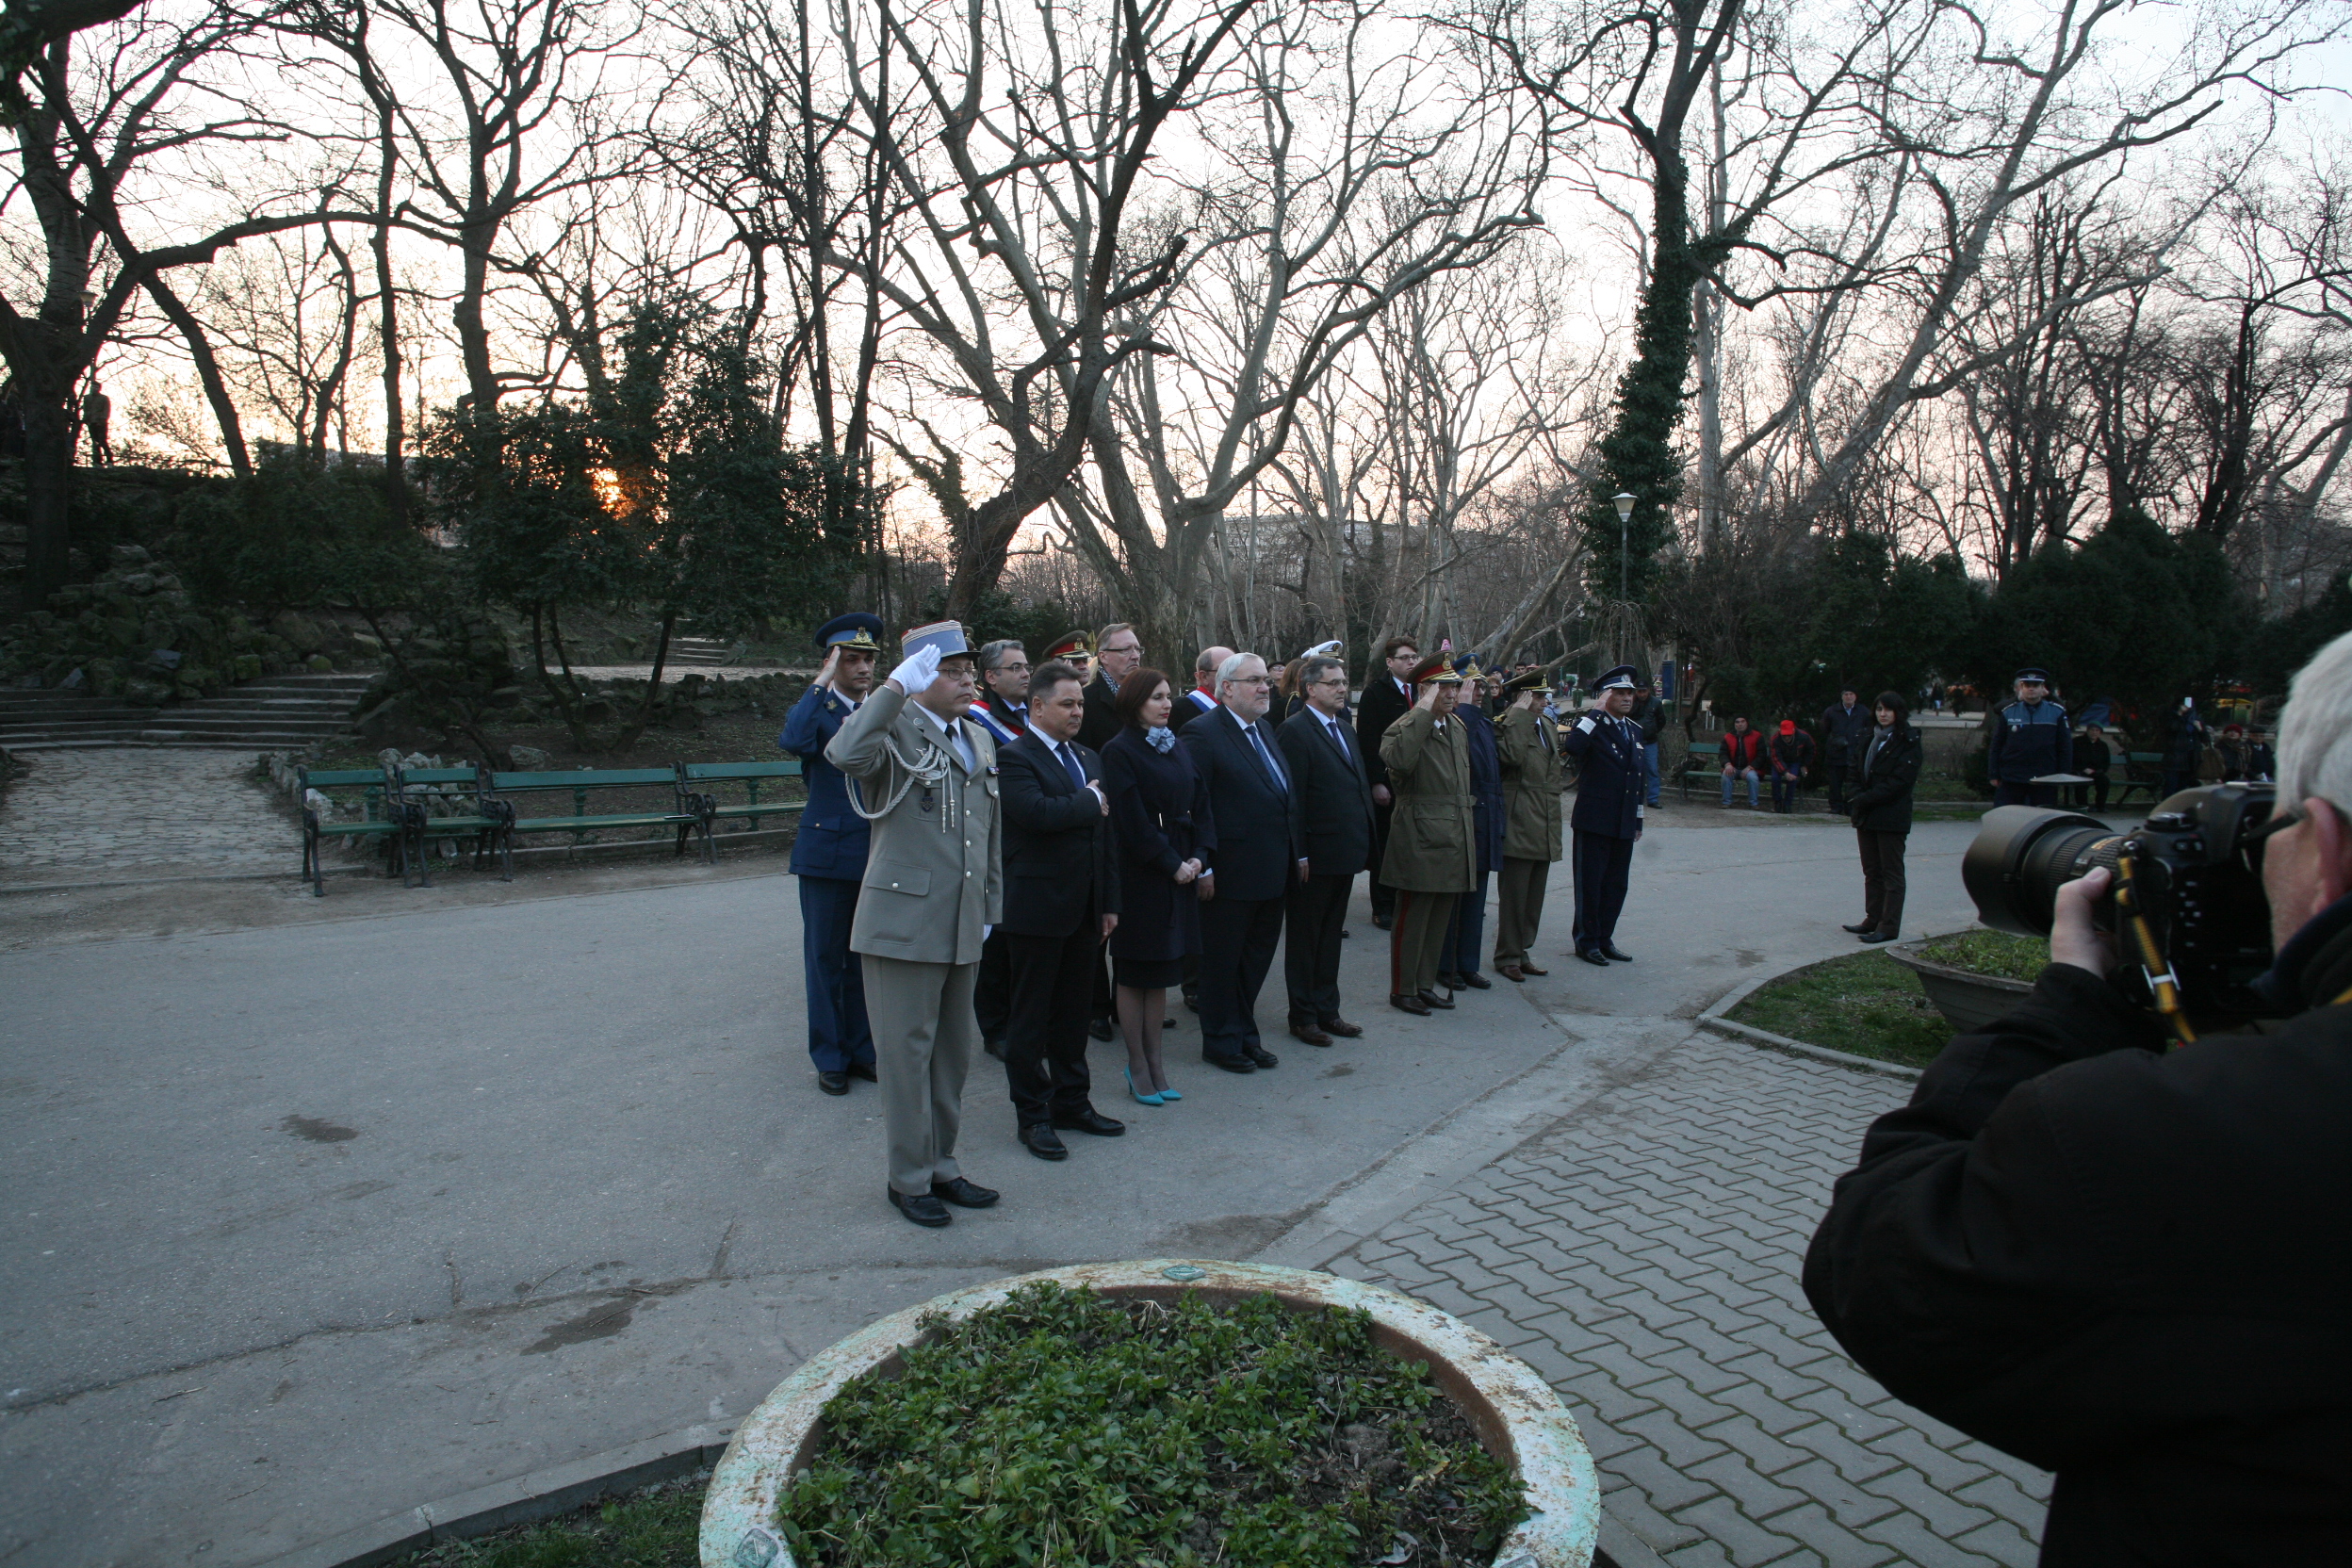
<point>1160,813</point>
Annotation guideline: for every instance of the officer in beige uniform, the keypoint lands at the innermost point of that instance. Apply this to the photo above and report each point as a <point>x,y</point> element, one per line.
<point>925,777</point>
<point>1531,822</point>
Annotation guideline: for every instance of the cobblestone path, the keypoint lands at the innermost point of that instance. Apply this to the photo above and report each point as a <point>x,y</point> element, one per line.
<point>1644,1256</point>
<point>83,815</point>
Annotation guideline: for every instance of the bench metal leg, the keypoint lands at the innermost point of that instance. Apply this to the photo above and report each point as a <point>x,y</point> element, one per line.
<point>313,872</point>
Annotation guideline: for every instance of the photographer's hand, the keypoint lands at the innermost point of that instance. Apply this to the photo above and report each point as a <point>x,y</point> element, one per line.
<point>2072,938</point>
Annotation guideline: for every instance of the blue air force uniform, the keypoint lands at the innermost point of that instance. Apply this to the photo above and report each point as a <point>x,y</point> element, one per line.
<point>1612,782</point>
<point>2030,740</point>
<point>829,860</point>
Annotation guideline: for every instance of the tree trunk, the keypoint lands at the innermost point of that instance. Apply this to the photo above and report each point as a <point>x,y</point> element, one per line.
<point>635,728</point>
<point>48,484</point>
<point>208,373</point>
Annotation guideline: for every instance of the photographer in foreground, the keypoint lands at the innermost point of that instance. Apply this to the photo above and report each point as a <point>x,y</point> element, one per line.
<point>2131,1266</point>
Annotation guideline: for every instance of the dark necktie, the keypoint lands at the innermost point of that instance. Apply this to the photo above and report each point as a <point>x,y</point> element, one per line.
<point>1281,782</point>
<point>1070,761</point>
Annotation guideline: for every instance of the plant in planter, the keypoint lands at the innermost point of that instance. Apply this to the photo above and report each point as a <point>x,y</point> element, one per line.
<point>1973,978</point>
<point>1158,1414</point>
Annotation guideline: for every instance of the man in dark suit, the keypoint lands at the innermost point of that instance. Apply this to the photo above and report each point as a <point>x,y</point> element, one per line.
<point>1117,654</point>
<point>829,855</point>
<point>1261,850</point>
<point>1202,697</point>
<point>1061,902</point>
<point>1387,697</point>
<point>1336,803</point>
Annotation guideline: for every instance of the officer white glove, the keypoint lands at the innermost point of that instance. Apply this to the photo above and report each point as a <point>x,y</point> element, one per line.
<point>920,670</point>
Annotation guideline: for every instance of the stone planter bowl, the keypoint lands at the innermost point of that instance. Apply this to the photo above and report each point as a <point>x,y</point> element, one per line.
<point>1518,1416</point>
<point>1970,1001</point>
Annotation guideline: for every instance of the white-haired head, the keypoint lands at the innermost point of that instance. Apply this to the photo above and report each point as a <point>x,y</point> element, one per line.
<point>1247,702</point>
<point>2315,730</point>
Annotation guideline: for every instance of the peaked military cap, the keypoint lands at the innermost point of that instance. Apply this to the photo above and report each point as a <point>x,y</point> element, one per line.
<point>856,631</point>
<point>1325,650</point>
<point>2033,673</point>
<point>947,636</point>
<point>1528,680</point>
<point>1075,644</point>
<point>1437,669</point>
<point>1467,668</point>
<point>1622,678</point>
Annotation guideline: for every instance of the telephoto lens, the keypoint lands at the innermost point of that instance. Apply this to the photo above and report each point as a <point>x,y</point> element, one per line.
<point>2022,855</point>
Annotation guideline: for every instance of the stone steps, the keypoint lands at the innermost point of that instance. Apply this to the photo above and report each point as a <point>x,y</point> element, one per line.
<point>274,713</point>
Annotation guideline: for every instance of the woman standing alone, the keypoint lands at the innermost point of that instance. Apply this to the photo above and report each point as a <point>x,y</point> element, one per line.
<point>1880,778</point>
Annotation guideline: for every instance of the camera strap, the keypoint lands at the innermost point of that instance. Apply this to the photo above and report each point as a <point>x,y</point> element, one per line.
<point>2154,963</point>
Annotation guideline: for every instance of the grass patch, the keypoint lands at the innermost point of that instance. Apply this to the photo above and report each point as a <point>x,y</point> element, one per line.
<point>656,1527</point>
<point>1865,1006</point>
<point>1989,952</point>
<point>1069,1427</point>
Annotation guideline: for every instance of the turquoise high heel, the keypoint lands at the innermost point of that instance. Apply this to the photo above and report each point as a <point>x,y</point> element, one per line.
<point>1170,1094</point>
<point>1139,1099</point>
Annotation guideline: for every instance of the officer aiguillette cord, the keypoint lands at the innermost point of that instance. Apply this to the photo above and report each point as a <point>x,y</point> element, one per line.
<point>2162,984</point>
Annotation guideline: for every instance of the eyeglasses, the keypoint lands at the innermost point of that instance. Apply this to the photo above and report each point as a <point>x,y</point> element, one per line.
<point>1251,680</point>
<point>1333,680</point>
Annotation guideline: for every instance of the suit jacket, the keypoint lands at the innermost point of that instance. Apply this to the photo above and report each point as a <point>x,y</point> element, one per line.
<point>1381,705</point>
<point>1059,868</point>
<point>1102,721</point>
<point>1188,707</point>
<point>1335,793</point>
<point>832,837</point>
<point>932,877</point>
<point>1261,830</point>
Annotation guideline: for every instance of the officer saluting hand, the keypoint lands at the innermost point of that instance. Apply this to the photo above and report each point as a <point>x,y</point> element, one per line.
<point>1612,785</point>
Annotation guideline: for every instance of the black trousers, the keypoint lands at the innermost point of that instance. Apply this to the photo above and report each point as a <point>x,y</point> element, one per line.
<point>1237,941</point>
<point>1604,865</point>
<point>1318,913</point>
<point>1045,1041</point>
<point>1383,896</point>
<point>2093,794</point>
<point>992,991</point>
<point>2019,792</point>
<point>1882,883</point>
<point>1836,769</point>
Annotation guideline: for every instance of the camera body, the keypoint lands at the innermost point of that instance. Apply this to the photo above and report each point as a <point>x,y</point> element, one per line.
<point>2197,869</point>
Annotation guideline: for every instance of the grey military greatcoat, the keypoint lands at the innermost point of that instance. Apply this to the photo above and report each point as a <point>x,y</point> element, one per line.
<point>933,872</point>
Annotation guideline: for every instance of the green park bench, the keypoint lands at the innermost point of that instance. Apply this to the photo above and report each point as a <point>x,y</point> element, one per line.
<point>377,823</point>
<point>702,778</point>
<point>2142,770</point>
<point>687,812</point>
<point>485,821</point>
<point>1706,756</point>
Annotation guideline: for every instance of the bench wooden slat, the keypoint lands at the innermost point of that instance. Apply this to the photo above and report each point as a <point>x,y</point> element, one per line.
<point>697,771</point>
<point>623,819</point>
<point>584,778</point>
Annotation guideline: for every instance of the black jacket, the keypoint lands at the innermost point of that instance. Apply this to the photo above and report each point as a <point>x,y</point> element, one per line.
<point>1842,729</point>
<point>1160,816</point>
<point>1334,793</point>
<point>1184,710</point>
<point>1260,829</point>
<point>1102,721</point>
<point>1059,867</point>
<point>2132,1268</point>
<point>1381,705</point>
<point>1878,789</point>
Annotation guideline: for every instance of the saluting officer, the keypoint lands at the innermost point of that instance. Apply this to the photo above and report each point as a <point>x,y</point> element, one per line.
<point>1431,858</point>
<point>2031,738</point>
<point>1613,783</point>
<point>829,853</point>
<point>1531,760</point>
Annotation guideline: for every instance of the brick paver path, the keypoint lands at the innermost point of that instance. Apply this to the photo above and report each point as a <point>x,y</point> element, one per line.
<point>79,815</point>
<point>1643,1255</point>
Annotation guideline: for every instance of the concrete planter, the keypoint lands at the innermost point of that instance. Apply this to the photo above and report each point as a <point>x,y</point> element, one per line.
<point>1518,1416</point>
<point>1970,1001</point>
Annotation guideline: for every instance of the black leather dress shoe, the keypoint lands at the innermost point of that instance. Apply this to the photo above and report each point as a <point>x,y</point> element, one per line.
<point>833,1083</point>
<point>1381,921</point>
<point>1594,957</point>
<point>1311,1032</point>
<point>1261,1058</point>
<point>1527,968</point>
<point>1858,928</point>
<point>963,1194</point>
<point>1442,1004</point>
<point>1474,982</point>
<point>1451,981</point>
<point>1103,1029</point>
<point>1608,949</point>
<point>922,1208</point>
<point>1880,936</point>
<point>1231,1064</point>
<point>865,1070</point>
<point>1088,1120</point>
<point>1040,1140</point>
<point>1412,1004</point>
<point>994,1048</point>
<point>1341,1028</point>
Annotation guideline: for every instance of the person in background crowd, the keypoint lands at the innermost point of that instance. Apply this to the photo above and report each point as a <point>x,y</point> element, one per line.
<point>1790,753</point>
<point>1061,904</point>
<point>2184,742</point>
<point>1432,858</point>
<point>1458,959</point>
<point>1259,852</point>
<point>1336,806</point>
<point>1608,817</point>
<point>2093,758</point>
<point>829,855</point>
<point>1843,725</point>
<point>1529,756</point>
<point>1076,649</point>
<point>1002,709</point>
<point>1885,771</point>
<point>2031,738</point>
<point>2261,763</point>
<point>1743,758</point>
<point>1161,819</point>
<point>1650,715</point>
<point>1387,693</point>
<point>934,885</point>
<point>1937,693</point>
<point>1117,652</point>
<point>97,409</point>
<point>1202,697</point>
<point>2233,748</point>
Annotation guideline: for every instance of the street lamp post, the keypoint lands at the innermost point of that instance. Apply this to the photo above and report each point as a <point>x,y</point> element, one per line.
<point>1625,520</point>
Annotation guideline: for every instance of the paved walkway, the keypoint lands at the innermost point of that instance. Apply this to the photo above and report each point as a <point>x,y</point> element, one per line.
<point>80,814</point>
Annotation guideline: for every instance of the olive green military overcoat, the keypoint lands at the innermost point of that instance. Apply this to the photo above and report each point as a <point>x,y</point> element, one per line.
<point>1530,785</point>
<point>1432,844</point>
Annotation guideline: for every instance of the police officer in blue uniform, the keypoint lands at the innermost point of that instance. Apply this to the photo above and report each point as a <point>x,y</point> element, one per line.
<point>2032,738</point>
<point>829,855</point>
<point>1612,782</point>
